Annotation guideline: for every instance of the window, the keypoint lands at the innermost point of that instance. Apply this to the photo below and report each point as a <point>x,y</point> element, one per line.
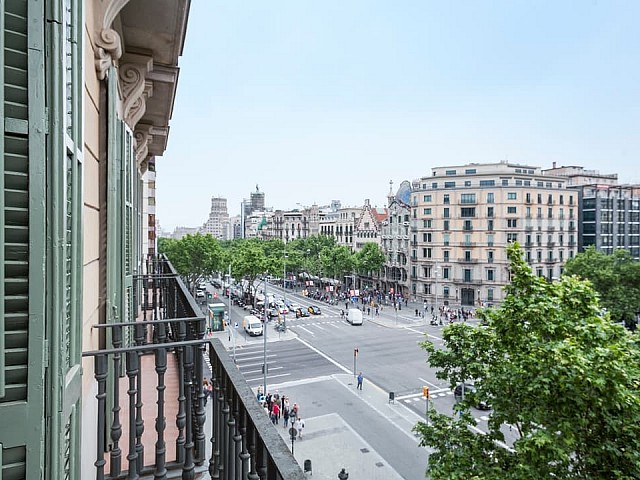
<point>450,173</point>
<point>445,199</point>
<point>426,271</point>
<point>426,253</point>
<point>490,197</point>
<point>512,210</point>
<point>426,198</point>
<point>426,223</point>
<point>518,183</point>
<point>445,212</point>
<point>426,237</point>
<point>467,239</point>
<point>550,212</point>
<point>445,239</point>
<point>561,200</point>
<point>467,255</point>
<point>491,274</point>
<point>427,288</point>
<point>468,226</point>
<point>528,198</point>
<point>512,237</point>
<point>539,198</point>
<point>434,185</point>
<point>467,183</point>
<point>468,198</point>
<point>512,223</point>
<point>490,225</point>
<point>449,184</point>
<point>467,274</point>
<point>445,254</point>
<point>539,255</point>
<point>468,212</point>
<point>490,256</point>
<point>490,239</point>
<point>445,292</point>
<point>487,183</point>
<point>512,196</point>
<point>505,182</point>
<point>445,272</point>
<point>426,211</point>
<point>490,294</point>
<point>490,212</point>
<point>470,171</point>
<point>550,200</point>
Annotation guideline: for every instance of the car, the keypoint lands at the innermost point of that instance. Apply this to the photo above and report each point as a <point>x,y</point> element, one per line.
<point>272,312</point>
<point>199,294</point>
<point>314,310</point>
<point>301,312</point>
<point>470,389</point>
<point>202,286</point>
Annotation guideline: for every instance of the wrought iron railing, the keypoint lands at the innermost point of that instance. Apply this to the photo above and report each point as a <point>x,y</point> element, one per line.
<point>161,370</point>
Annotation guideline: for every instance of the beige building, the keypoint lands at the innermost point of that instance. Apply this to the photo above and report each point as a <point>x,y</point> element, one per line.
<point>464,216</point>
<point>217,224</point>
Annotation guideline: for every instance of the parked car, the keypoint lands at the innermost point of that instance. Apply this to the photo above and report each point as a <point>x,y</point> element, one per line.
<point>301,312</point>
<point>470,389</point>
<point>200,294</point>
<point>314,310</point>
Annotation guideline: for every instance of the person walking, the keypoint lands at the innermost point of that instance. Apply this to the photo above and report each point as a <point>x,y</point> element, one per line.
<point>285,416</point>
<point>299,426</point>
<point>360,379</point>
<point>275,413</point>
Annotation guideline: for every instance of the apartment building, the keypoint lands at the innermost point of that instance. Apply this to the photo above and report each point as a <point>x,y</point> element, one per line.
<point>395,242</point>
<point>609,218</point>
<point>464,216</point>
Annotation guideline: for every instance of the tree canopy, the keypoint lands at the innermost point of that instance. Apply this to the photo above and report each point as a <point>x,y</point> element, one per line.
<point>559,373</point>
<point>615,277</point>
<point>195,257</point>
<point>369,259</point>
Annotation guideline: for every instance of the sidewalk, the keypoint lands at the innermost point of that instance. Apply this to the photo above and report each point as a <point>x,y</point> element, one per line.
<point>334,434</point>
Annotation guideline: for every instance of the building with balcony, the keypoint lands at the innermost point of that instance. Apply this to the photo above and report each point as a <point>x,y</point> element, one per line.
<point>101,344</point>
<point>395,242</point>
<point>464,216</point>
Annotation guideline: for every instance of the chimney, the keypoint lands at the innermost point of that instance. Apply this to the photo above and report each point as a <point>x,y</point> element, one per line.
<point>554,164</point>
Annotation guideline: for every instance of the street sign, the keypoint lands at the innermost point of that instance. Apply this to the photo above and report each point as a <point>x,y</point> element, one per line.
<point>293,432</point>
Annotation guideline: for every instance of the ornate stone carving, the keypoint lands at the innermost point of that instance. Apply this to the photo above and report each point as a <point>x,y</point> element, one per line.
<point>135,89</point>
<point>107,40</point>
<point>142,137</point>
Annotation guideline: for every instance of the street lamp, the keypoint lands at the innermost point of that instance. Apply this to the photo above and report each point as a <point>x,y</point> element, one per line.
<point>264,334</point>
<point>284,282</point>
<point>437,269</point>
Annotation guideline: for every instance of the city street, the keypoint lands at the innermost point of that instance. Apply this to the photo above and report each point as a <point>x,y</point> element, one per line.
<point>313,363</point>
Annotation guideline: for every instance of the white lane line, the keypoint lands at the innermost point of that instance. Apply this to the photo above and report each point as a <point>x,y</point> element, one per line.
<point>245,365</point>
<point>335,326</point>
<point>427,381</point>
<point>306,330</point>
<point>259,379</point>
<point>258,357</point>
<point>269,369</point>
<point>327,357</point>
<point>318,326</point>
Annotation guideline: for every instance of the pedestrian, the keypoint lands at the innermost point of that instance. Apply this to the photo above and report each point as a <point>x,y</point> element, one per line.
<point>205,390</point>
<point>299,426</point>
<point>275,413</point>
<point>360,378</point>
<point>285,416</point>
<point>369,311</point>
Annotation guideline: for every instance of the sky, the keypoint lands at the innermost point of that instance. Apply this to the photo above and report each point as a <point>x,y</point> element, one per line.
<point>326,100</point>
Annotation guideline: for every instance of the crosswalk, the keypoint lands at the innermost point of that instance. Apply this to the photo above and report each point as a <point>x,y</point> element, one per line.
<point>415,398</point>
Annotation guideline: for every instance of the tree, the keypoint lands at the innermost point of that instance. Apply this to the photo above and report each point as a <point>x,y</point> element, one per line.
<point>195,257</point>
<point>369,259</point>
<point>336,260</point>
<point>564,377</point>
<point>615,277</point>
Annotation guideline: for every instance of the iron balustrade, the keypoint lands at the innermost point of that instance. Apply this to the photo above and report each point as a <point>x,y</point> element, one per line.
<point>169,343</point>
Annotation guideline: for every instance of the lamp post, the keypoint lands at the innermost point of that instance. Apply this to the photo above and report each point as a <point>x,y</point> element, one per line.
<point>232,329</point>
<point>284,282</point>
<point>264,334</point>
<point>436,273</point>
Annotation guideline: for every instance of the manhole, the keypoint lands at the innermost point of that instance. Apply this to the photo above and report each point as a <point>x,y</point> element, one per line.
<point>364,450</point>
<point>379,464</point>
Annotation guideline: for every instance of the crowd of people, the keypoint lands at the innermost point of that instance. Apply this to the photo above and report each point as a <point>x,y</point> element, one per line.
<point>278,407</point>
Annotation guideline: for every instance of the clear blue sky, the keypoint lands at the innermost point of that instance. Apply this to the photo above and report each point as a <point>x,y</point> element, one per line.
<point>322,100</point>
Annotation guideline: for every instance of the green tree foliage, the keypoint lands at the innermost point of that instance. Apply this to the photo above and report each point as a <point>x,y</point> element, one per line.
<point>369,259</point>
<point>564,378</point>
<point>195,257</point>
<point>615,277</point>
<point>336,261</point>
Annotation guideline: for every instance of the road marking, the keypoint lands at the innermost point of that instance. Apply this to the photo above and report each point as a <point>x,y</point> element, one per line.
<point>318,326</point>
<point>244,365</point>
<point>260,379</point>
<point>305,329</point>
<point>260,371</point>
<point>335,326</point>
<point>258,357</point>
<point>432,384</point>
<point>325,356</point>
<point>423,333</point>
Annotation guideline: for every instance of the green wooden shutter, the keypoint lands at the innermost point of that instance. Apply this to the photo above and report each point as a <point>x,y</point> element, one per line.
<point>64,228</point>
<point>22,248</point>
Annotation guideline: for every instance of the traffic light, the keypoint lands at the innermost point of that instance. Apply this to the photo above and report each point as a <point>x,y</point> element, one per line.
<point>425,392</point>
<point>355,352</point>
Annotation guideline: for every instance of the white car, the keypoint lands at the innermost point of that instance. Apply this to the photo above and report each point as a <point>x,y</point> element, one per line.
<point>199,294</point>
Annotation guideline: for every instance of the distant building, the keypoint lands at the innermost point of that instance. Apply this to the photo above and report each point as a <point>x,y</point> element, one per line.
<point>235,227</point>
<point>609,218</point>
<point>576,175</point>
<point>255,203</point>
<point>217,224</point>
<point>180,232</point>
<point>395,237</point>
<point>464,216</point>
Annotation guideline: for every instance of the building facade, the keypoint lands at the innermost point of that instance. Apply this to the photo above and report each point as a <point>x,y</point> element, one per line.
<point>395,243</point>
<point>217,224</point>
<point>609,218</point>
<point>464,216</point>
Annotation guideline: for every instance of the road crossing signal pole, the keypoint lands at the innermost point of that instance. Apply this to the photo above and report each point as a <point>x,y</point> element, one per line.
<point>355,361</point>
<point>425,394</point>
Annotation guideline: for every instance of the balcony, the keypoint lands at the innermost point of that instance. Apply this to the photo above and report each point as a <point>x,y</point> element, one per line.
<point>158,428</point>
<point>550,260</point>
<point>551,244</point>
<point>551,228</point>
<point>467,260</point>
